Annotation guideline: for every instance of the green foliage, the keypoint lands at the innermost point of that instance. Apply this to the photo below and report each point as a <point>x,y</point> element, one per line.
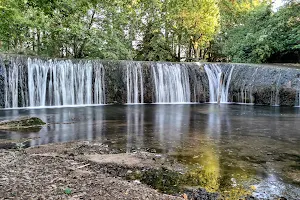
<point>163,180</point>
<point>131,29</point>
<point>64,28</point>
<point>173,182</point>
<point>261,33</point>
<point>68,191</point>
<point>154,46</point>
<point>154,30</point>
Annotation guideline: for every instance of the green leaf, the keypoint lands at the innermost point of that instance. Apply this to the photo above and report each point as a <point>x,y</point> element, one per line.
<point>68,191</point>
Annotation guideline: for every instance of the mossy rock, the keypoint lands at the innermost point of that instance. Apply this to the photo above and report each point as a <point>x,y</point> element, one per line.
<point>13,143</point>
<point>26,123</point>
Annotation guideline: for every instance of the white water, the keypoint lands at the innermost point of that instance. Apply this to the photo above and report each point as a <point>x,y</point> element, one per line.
<point>13,86</point>
<point>59,83</point>
<point>171,83</point>
<point>135,85</point>
<point>297,101</point>
<point>214,74</point>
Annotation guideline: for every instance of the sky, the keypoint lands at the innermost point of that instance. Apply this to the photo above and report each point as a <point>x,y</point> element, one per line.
<point>277,4</point>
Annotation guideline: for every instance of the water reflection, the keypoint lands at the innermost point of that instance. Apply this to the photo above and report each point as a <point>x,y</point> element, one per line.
<point>170,123</point>
<point>224,145</point>
<point>65,124</point>
<point>135,127</point>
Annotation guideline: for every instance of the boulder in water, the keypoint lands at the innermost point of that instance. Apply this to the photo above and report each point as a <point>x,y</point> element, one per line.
<point>27,123</point>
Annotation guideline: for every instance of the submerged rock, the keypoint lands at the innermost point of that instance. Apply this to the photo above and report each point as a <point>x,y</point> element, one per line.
<point>201,194</point>
<point>15,144</point>
<point>25,123</point>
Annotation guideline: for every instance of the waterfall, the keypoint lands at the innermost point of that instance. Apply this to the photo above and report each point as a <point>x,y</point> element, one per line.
<point>14,91</point>
<point>218,83</point>
<point>134,79</point>
<point>56,83</point>
<point>37,82</point>
<point>11,87</point>
<point>171,83</point>
<point>298,97</point>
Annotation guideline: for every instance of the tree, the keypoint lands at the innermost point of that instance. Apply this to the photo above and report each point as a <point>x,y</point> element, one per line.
<point>232,14</point>
<point>66,28</point>
<point>13,25</point>
<point>263,34</point>
<point>169,30</point>
<point>194,22</point>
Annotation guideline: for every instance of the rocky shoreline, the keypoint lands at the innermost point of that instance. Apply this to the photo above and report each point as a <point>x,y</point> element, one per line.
<point>78,170</point>
<point>91,170</point>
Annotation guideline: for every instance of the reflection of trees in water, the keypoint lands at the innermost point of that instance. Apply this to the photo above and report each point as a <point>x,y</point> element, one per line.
<point>201,150</point>
<point>229,127</point>
<point>198,150</point>
<point>205,169</point>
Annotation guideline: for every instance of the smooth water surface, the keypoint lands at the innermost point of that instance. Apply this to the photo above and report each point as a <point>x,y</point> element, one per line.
<point>231,144</point>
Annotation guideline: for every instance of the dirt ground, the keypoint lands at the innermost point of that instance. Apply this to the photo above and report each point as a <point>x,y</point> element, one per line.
<point>77,170</point>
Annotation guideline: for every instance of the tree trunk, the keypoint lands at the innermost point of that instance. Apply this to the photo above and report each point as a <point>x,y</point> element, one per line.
<point>190,48</point>
<point>38,41</point>
<point>33,42</point>
<point>196,50</point>
<point>179,47</point>
<point>204,53</point>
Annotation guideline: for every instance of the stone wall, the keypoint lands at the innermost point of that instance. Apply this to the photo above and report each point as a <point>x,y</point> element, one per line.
<point>268,84</point>
<point>115,81</point>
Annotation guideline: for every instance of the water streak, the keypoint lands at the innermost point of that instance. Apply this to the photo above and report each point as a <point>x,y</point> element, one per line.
<point>14,91</point>
<point>298,98</point>
<point>218,83</point>
<point>171,83</point>
<point>55,83</point>
<point>135,85</point>
<point>297,101</point>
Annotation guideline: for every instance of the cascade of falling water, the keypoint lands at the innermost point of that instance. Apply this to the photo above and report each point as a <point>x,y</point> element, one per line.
<point>135,85</point>
<point>56,83</point>
<point>298,97</point>
<point>11,86</point>
<point>14,92</point>
<point>171,83</point>
<point>214,74</point>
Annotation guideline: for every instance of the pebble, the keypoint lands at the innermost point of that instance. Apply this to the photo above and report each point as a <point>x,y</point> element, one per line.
<point>137,182</point>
